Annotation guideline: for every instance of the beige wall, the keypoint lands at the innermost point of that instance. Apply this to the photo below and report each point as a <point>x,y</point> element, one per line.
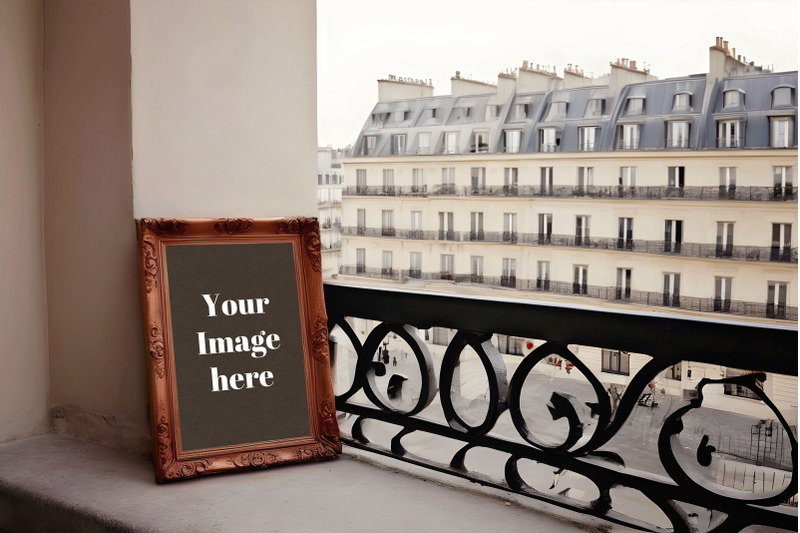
<point>224,108</point>
<point>98,387</point>
<point>23,319</point>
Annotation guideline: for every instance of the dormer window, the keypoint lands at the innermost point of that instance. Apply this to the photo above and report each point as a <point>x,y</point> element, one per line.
<point>480,142</point>
<point>548,140</point>
<point>513,140</point>
<point>781,97</point>
<point>461,113</point>
<point>368,145</point>
<point>558,110</point>
<point>521,111</point>
<point>682,101</point>
<point>379,119</point>
<point>731,99</point>
<point>634,106</point>
<point>424,143</point>
<point>781,130</point>
<point>491,112</point>
<point>398,144</point>
<point>594,108</point>
<point>400,116</point>
<point>450,142</point>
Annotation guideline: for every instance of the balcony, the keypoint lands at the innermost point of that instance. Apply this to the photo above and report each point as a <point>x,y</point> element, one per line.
<point>650,192</point>
<point>603,449</point>
<point>607,293</point>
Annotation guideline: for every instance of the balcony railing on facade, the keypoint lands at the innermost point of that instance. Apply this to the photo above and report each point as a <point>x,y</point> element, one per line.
<point>608,293</point>
<point>530,435</point>
<point>684,249</point>
<point>649,192</point>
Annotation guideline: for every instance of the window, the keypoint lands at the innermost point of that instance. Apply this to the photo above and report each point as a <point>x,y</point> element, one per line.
<point>450,142</point>
<point>579,279</point>
<point>461,112</point>
<point>424,142</point>
<point>627,176</point>
<point>361,221</point>
<point>510,228</point>
<point>491,112</point>
<point>361,181</point>
<point>417,181</point>
<point>546,181</point>
<point>678,134</point>
<point>446,266</point>
<point>781,132</point>
<point>673,235</point>
<point>728,134</point>
<point>628,137</point>
<point>446,226</point>
<point>734,389</point>
<point>675,177</point>
<point>776,299</point>
<point>476,268</point>
<point>724,239</point>
<point>557,111</point>
<point>440,336</point>
<point>415,265</point>
<point>476,226</point>
<point>400,116</point>
<point>513,140</point>
<point>398,144</point>
<point>672,290</point>
<point>361,261</point>
<point>722,294</point>
<point>431,113</point>
<point>520,111</point>
<point>368,145</point>
<point>623,291</point>
<point>547,140</point>
<point>781,242</point>
<point>634,106</point>
<point>449,180</point>
<point>416,225</point>
<point>545,228</point>
<point>781,96</point>
<point>510,175</point>
<point>625,239</point>
<point>681,102</point>
<point>387,223</point>
<point>581,230</point>
<point>673,372</point>
<point>616,362</point>
<point>388,181</point>
<point>480,142</point>
<point>478,179</point>
<point>379,119</point>
<point>543,275</point>
<point>594,108</point>
<point>586,138</point>
<point>386,267</point>
<point>319,179</point>
<point>727,182</point>
<point>508,277</point>
<point>782,182</point>
<point>731,98</point>
<point>585,178</point>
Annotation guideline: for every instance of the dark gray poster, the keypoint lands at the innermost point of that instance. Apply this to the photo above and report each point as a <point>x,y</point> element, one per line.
<point>237,344</point>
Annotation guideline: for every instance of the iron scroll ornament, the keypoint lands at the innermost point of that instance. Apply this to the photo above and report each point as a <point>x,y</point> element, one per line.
<point>668,441</point>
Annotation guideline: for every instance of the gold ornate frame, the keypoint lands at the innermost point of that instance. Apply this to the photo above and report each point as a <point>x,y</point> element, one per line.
<point>170,461</point>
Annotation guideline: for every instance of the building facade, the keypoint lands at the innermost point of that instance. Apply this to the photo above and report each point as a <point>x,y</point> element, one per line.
<point>330,180</point>
<point>676,194</point>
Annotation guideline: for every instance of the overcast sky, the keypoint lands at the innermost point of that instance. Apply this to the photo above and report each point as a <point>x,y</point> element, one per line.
<point>361,41</point>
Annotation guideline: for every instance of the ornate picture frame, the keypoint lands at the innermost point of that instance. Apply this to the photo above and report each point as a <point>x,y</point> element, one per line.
<point>236,344</point>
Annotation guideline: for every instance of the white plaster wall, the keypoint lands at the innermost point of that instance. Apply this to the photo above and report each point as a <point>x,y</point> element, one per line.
<point>224,108</point>
<point>23,315</point>
<point>97,368</point>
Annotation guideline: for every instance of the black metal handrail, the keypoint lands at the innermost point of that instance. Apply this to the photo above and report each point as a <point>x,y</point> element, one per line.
<point>646,192</point>
<point>685,249</point>
<point>394,315</point>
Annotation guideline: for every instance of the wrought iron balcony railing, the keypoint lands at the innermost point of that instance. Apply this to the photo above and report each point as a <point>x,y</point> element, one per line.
<point>649,192</point>
<point>550,426</point>
<point>609,293</point>
<point>686,249</point>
